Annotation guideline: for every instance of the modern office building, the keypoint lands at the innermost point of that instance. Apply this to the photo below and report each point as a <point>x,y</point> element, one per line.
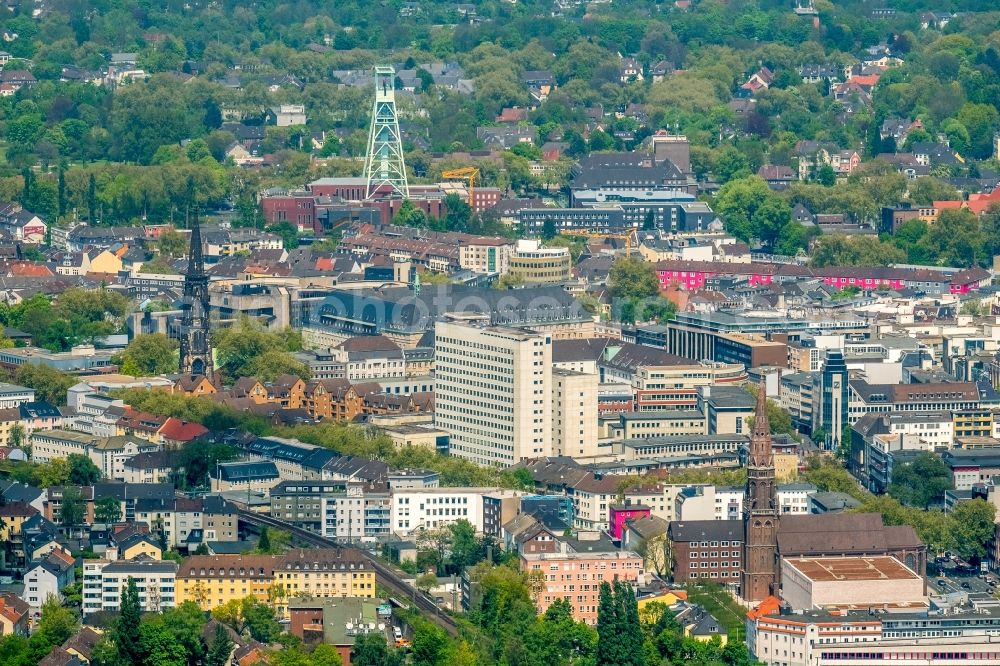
<point>831,399</point>
<point>493,392</point>
<point>533,263</point>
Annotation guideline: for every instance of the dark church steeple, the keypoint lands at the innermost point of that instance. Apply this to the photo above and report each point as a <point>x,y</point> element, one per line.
<point>760,511</point>
<point>196,348</point>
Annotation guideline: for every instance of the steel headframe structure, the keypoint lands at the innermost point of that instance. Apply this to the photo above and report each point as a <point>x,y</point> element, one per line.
<point>385,171</point>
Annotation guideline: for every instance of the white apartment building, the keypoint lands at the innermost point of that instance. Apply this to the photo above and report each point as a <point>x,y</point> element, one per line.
<point>12,395</point>
<point>108,453</point>
<point>493,392</point>
<point>726,503</point>
<point>574,414</point>
<point>916,639</point>
<point>47,577</point>
<point>356,516</point>
<point>432,508</point>
<point>935,429</point>
<point>592,497</point>
<point>661,499</point>
<point>104,580</point>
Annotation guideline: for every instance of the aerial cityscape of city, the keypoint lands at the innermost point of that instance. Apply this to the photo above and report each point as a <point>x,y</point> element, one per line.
<point>500,333</point>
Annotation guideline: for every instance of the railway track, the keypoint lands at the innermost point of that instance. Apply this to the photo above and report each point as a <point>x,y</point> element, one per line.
<point>386,576</point>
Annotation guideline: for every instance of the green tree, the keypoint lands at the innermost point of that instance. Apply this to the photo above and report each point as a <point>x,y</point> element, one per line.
<point>55,626</point>
<point>430,644</point>
<point>738,202</point>
<point>71,512</point>
<point>549,229</point>
<point>465,548</point>
<point>172,243</point>
<point>108,510</point>
<point>147,355</point>
<point>409,215</point>
<point>770,219</point>
<point>840,250</point>
<point>426,582</point>
<point>50,384</point>
<point>632,277</point>
<point>973,528</point>
<point>826,176</point>
<point>92,199</point>
<point>158,646</point>
<point>372,650</point>
<point>289,234</point>
<point>126,633</point>
<point>61,191</point>
<point>458,214</point>
<point>632,638</point>
<point>82,470</point>
<point>17,435</point>
<point>610,651</point>
<point>200,457</point>
<point>260,621</point>
<point>920,482</point>
<point>264,543</point>
<point>730,164</point>
<point>53,473</point>
<point>982,121</point>
<point>246,349</point>
<point>925,191</point>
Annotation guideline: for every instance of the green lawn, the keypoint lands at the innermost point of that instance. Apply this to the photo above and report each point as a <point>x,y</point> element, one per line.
<point>722,606</point>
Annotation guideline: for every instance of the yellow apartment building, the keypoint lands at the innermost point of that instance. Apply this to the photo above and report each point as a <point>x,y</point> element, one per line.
<point>213,580</point>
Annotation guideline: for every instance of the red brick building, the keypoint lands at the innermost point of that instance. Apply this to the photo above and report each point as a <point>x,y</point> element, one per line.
<point>299,208</point>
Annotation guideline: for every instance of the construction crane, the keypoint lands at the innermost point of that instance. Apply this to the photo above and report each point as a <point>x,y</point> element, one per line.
<point>603,234</point>
<point>465,173</point>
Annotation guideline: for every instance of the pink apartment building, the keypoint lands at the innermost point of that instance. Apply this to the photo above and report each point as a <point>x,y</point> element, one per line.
<point>577,577</point>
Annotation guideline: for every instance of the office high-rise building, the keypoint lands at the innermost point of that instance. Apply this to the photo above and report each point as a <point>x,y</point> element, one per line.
<point>574,413</point>
<point>493,392</point>
<point>830,399</point>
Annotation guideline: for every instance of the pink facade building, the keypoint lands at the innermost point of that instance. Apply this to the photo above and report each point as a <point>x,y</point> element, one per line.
<point>619,514</point>
<point>693,275</point>
<point>577,578</point>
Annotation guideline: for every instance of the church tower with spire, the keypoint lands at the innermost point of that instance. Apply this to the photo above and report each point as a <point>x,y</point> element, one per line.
<point>760,512</point>
<point>196,349</point>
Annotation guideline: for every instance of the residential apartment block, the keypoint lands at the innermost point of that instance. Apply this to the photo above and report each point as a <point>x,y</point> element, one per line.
<point>213,580</point>
<point>577,577</point>
<point>351,512</point>
<point>108,453</point>
<point>104,581</point>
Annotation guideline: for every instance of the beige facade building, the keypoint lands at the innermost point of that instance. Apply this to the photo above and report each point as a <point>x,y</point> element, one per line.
<point>574,414</point>
<point>486,255</point>
<point>837,583</point>
<point>534,263</point>
<point>493,392</point>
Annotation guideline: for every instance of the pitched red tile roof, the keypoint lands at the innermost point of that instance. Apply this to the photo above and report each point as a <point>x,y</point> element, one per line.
<point>13,607</point>
<point>182,431</point>
<point>29,269</point>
